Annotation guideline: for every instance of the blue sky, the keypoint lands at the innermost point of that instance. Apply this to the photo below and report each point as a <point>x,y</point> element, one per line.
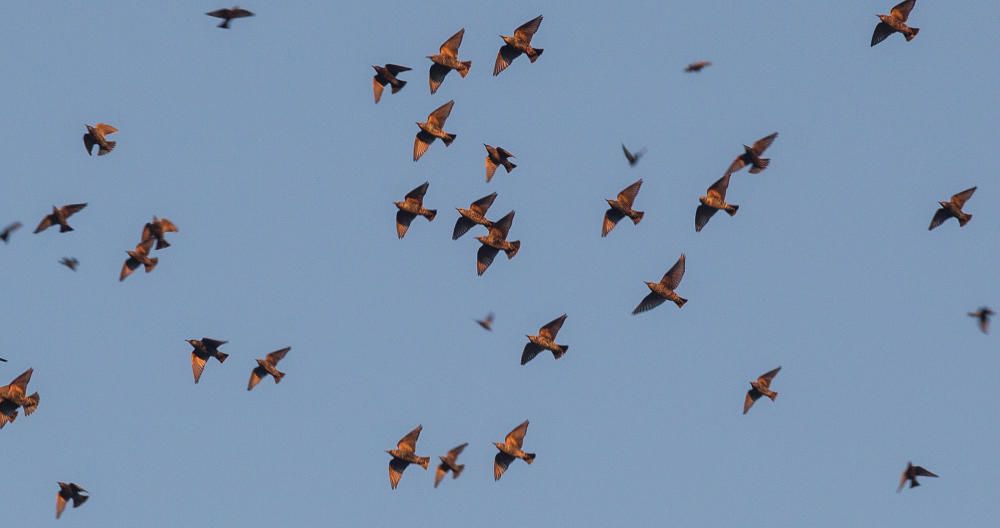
<point>263,145</point>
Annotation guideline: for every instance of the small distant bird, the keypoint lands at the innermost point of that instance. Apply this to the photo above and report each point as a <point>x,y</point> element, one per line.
<point>2,360</point>
<point>633,158</point>
<point>752,156</point>
<point>510,449</point>
<point>411,207</point>
<point>520,43</point>
<point>895,21</point>
<point>387,75</point>
<point>911,473</point>
<point>983,314</point>
<point>5,234</point>
<point>228,14</point>
<point>69,492</point>
<point>664,290</point>
<point>69,262</point>
<point>622,207</point>
<point>475,214</point>
<point>448,463</point>
<point>157,229</point>
<point>953,208</point>
<point>138,257</point>
<point>432,128</point>
<point>545,340</point>
<point>695,67</point>
<point>96,136</point>
<point>58,216</point>
<point>496,156</point>
<point>487,322</point>
<point>496,241</point>
<point>760,387</point>
<point>447,60</point>
<point>203,349</point>
<point>404,455</point>
<point>714,200</point>
<point>15,395</point>
<point>266,366</point>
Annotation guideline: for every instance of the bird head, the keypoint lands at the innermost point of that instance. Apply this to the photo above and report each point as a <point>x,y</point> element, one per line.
<point>498,445</point>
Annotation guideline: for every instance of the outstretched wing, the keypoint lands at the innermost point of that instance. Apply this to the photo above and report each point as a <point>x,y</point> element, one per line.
<point>921,472</point>
<point>515,438</point>
<point>527,30</point>
<point>769,375</point>
<point>611,218</point>
<point>417,194</point>
<point>409,442</point>
<point>421,144</point>
<point>702,215</point>
<point>672,278</point>
<point>502,227</point>
<point>197,366</point>
<point>274,357</point>
<point>721,185</point>
<point>628,194</point>
<point>500,464</point>
<point>530,351</point>
<point>505,56</point>
<point>552,327</point>
<point>882,31</point>
<point>484,257</point>
<point>450,46</point>
<point>396,467</point>
<point>650,301</point>
<point>761,144</point>
<point>462,226</point>
<point>902,9</point>
<point>483,204</point>
<point>962,197</point>
<point>439,116</point>
<point>752,396</point>
<point>437,75</point>
<point>940,216</point>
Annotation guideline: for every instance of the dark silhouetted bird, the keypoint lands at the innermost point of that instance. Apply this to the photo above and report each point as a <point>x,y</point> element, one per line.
<point>520,43</point>
<point>69,492</point>
<point>157,229</point>
<point>475,214</point>
<point>622,207</point>
<point>5,234</point>
<point>760,387</point>
<point>911,473</point>
<point>70,262</point>
<point>496,241</point>
<point>447,60</point>
<point>633,158</point>
<point>752,156</point>
<point>895,21</point>
<point>697,66</point>
<point>268,365</point>
<point>983,314</point>
<point>204,349</point>
<point>404,455</point>
<point>448,463</point>
<point>714,200</point>
<point>58,216</point>
<point>138,257</point>
<point>411,207</point>
<point>953,209</point>
<point>510,449</point>
<point>2,360</point>
<point>496,156</point>
<point>15,395</point>
<point>387,75</point>
<point>227,14</point>
<point>664,290</point>
<point>545,340</point>
<point>486,322</point>
<point>96,136</point>
<point>432,128</point>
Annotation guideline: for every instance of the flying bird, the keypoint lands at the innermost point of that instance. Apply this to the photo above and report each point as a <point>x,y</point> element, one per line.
<point>205,348</point>
<point>713,201</point>
<point>404,455</point>
<point>486,322</point>
<point>268,365</point>
<point>760,387</point>
<point>496,241</point>
<point>545,340</point>
<point>432,128</point>
<point>520,43</point>
<point>411,207</point>
<point>983,314</point>
<point>157,230</point>
<point>387,75</point>
<point>475,214</point>
<point>447,60</point>
<point>5,234</point>
<point>69,492</point>
<point>911,473</point>
<point>622,207</point>
<point>752,156</point>
<point>96,135</point>
<point>695,67</point>
<point>59,216</point>
<point>953,209</point>
<point>70,262</point>
<point>895,21</point>
<point>15,395</point>
<point>664,290</point>
<point>496,156</point>
<point>448,463</point>
<point>510,449</point>
<point>633,158</point>
<point>2,360</point>
<point>229,13</point>
<point>138,257</point>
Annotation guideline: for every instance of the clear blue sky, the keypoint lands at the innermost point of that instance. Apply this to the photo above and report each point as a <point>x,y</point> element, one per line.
<point>263,145</point>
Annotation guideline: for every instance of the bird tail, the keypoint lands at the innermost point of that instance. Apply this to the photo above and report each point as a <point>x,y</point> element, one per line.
<point>448,139</point>
<point>637,217</point>
<point>509,166</point>
<point>111,146</point>
<point>457,471</point>
<point>761,165</point>
<point>152,264</point>
<point>221,356</point>
<point>424,461</point>
<point>162,243</point>
<point>429,214</point>
<point>962,220</point>
<point>31,405</point>
<point>529,457</point>
<point>913,482</point>
<point>79,500</point>
<point>912,34</point>
<point>534,53</point>
<point>732,209</point>
<point>562,351</point>
<point>516,246</point>
<point>278,375</point>
<point>464,70</point>
<point>224,24</point>
<point>64,228</point>
<point>773,395</point>
<point>680,301</point>
<point>398,86</point>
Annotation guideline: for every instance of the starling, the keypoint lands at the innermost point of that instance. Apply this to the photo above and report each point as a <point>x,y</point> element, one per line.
<point>447,60</point>
<point>96,136</point>
<point>622,207</point>
<point>953,208</point>
<point>760,387</point>
<point>412,206</point>
<point>267,366</point>
<point>487,322</point>
<point>475,214</point>
<point>157,229</point>
<point>5,234</point>
<point>895,21</point>
<point>15,395</point>
<point>714,200</point>
<point>695,67</point>
<point>632,158</point>
<point>431,129</point>
<point>496,156</point>
<point>138,257</point>
<point>511,449</point>
<point>70,262</point>
<point>204,349</point>
<point>449,463</point>
<point>983,314</point>
<point>59,216</point>
<point>494,242</point>
<point>387,75</point>
<point>664,290</point>
<point>911,473</point>
<point>404,455</point>
<point>69,492</point>
<point>545,340</point>
<point>752,156</point>
<point>228,14</point>
<point>520,43</point>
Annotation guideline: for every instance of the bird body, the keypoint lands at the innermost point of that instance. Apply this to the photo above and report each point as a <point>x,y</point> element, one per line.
<point>475,214</point>
<point>6,232</point>
<point>450,463</point>
<point>714,200</point>
<point>697,66</point>
<point>752,155</point>
<point>157,229</point>
<point>496,241</point>
<point>983,315</point>
<point>138,257</point>
<point>486,322</point>
<point>70,262</point>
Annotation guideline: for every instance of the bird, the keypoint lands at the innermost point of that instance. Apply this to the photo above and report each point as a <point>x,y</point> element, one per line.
<point>496,156</point>
<point>7,231</point>
<point>229,13</point>
<point>895,21</point>
<point>138,257</point>
<point>266,366</point>
<point>432,128</point>
<point>983,314</point>
<point>911,473</point>
<point>157,229</point>
<point>205,348</point>
<point>953,208</point>
<point>69,492</point>
<point>622,207</point>
<point>695,67</point>
<point>387,75</point>
<point>633,158</point>
<point>70,262</point>
<point>486,322</point>
<point>2,360</point>
<point>59,216</point>
<point>449,463</point>
<point>447,60</point>
<point>664,290</point>
<point>96,136</point>
<point>475,214</point>
<point>752,156</point>
<point>714,199</point>
<point>510,449</point>
<point>520,43</point>
<point>545,340</point>
<point>760,387</point>
<point>404,455</point>
<point>15,395</point>
<point>496,241</point>
<point>411,207</point>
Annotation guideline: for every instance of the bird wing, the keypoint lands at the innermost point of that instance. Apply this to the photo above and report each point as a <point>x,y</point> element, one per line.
<point>902,480</point>
<point>505,153</point>
<point>702,215</point>
<point>409,441</point>
<point>628,194</point>
<point>105,129</point>
<point>611,218</point>
<point>462,226</point>
<point>902,9</point>
<point>60,503</point>
<point>421,144</point>
<point>88,143</point>
<point>962,197</point>
<point>197,365</point>
<point>940,216</point>
<point>484,257</point>
<point>491,168</point>
<point>629,156</point>
<point>437,75</point>
<point>220,13</point>
<point>551,329</point>
<point>439,116</point>
<point>450,46</point>
<point>239,13</point>
<point>769,375</point>
<point>396,467</point>
<point>212,344</point>
<point>672,278</point>
<point>483,204</point>
<point>721,185</point>
<point>502,227</point>
<point>650,301</point>
<point>882,31</point>
<point>416,196</point>
<point>761,144</point>
<point>515,438</point>
<point>984,324</point>
<point>256,375</point>
<point>442,470</point>
<point>128,267</point>
<point>20,383</point>
<point>403,219</point>
<point>530,351</point>
<point>505,56</point>
<point>44,224</point>
<point>752,396</point>
<point>527,30</point>
<point>500,464</point>
<point>455,451</point>
<point>274,357</point>
<point>919,471</point>
<point>395,68</point>
<point>737,164</point>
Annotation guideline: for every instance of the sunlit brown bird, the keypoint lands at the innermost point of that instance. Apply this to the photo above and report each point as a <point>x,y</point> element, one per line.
<point>486,322</point>
<point>911,473</point>
<point>631,157</point>
<point>96,135</point>
<point>664,290</point>
<point>387,75</point>
<point>59,216</point>
<point>432,128</point>
<point>760,387</point>
<point>953,209</point>
<point>138,257</point>
<point>448,463</point>
<point>695,67</point>
<point>7,231</point>
<point>475,214</point>
<point>404,455</point>
<point>622,207</point>
<point>15,395</point>
<point>411,207</point>
<point>229,13</point>
<point>510,449</point>
<point>268,365</point>
<point>496,241</point>
<point>545,340</point>
<point>895,21</point>
<point>983,314</point>
<point>203,349</point>
<point>70,262</point>
<point>447,60</point>
<point>69,492</point>
<point>713,201</point>
<point>752,156</point>
<point>495,157</point>
<point>157,230</point>
<point>520,43</point>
